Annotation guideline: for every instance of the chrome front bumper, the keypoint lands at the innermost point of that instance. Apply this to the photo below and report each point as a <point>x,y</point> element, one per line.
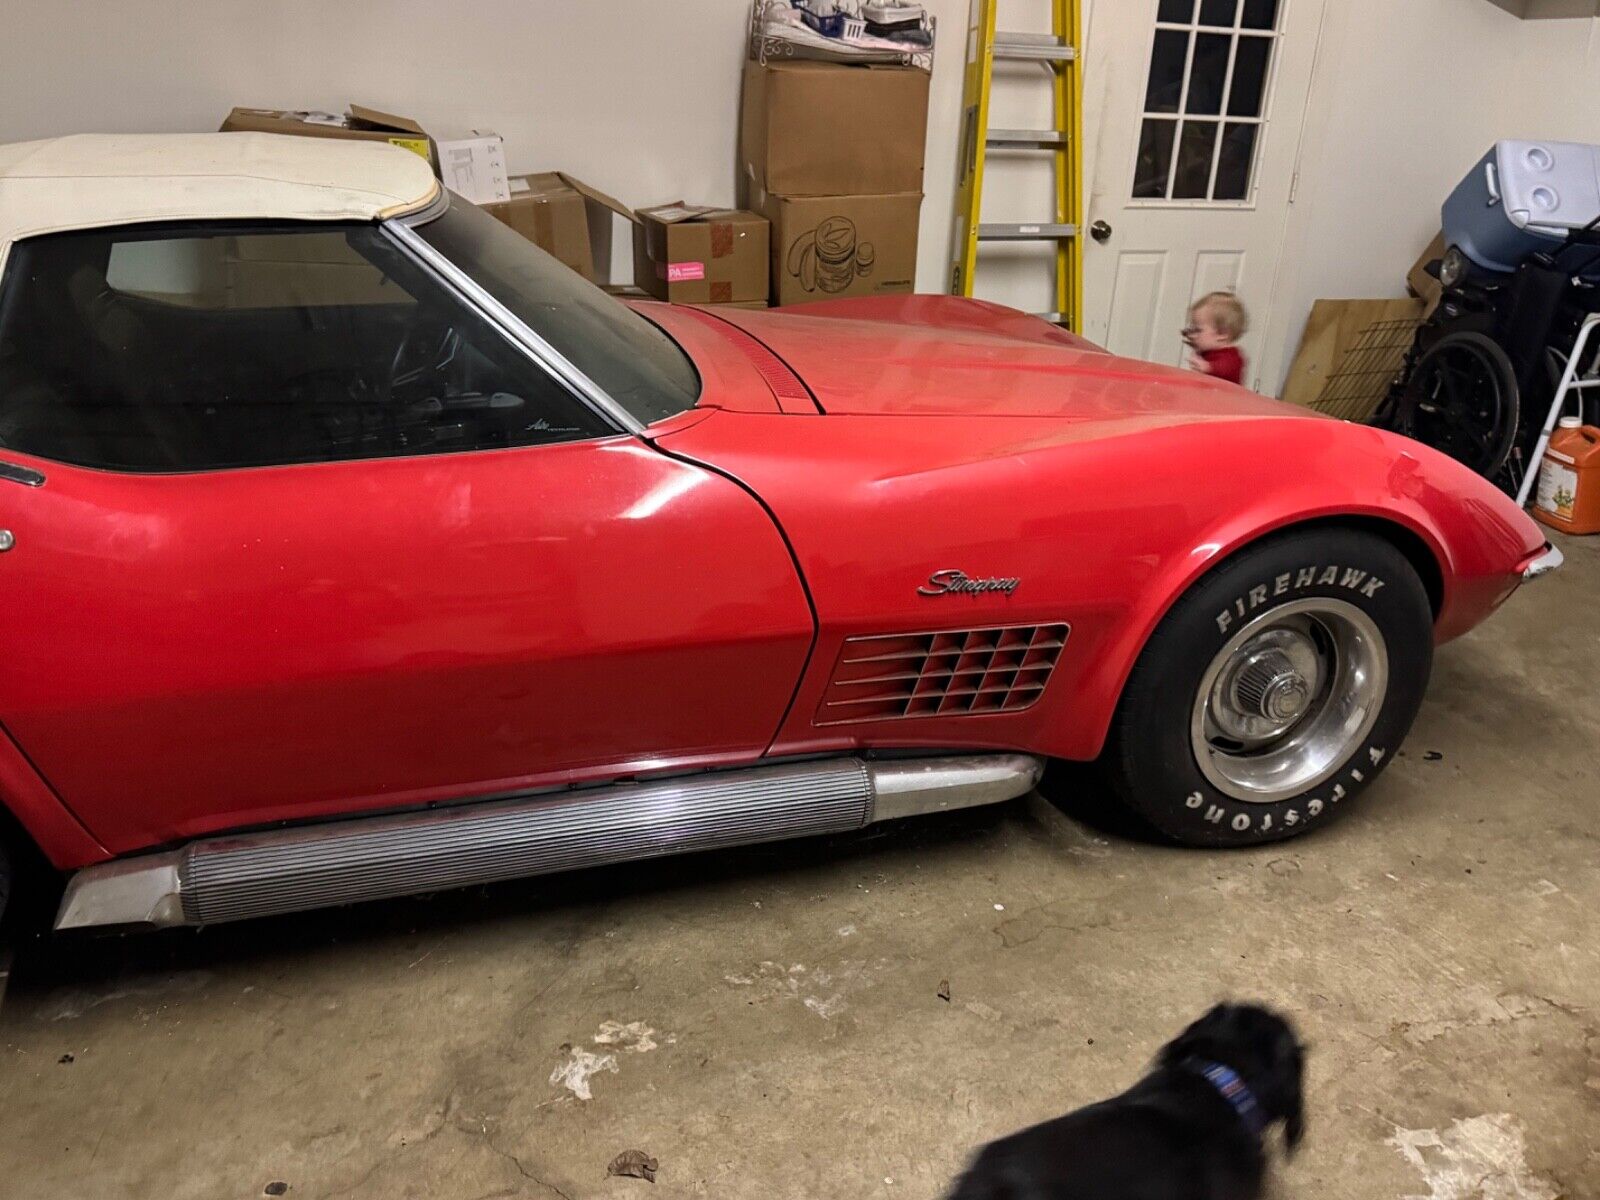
<point>1546,562</point>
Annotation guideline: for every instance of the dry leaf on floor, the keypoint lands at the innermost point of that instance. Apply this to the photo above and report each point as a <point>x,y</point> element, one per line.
<point>635,1164</point>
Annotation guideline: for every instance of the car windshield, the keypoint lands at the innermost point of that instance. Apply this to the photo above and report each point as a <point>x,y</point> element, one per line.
<point>640,367</point>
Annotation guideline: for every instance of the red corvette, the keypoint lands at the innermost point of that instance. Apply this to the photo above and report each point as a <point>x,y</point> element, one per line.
<point>353,547</point>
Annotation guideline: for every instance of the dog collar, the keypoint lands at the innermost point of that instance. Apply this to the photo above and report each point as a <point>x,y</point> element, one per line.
<point>1234,1091</point>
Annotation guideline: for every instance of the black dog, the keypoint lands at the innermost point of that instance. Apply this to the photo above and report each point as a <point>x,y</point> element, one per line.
<point>1189,1130</point>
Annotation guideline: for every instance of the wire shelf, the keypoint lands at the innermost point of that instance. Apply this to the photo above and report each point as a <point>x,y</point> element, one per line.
<point>766,47</point>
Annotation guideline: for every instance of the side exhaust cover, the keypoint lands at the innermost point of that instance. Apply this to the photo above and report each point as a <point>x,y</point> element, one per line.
<point>252,875</point>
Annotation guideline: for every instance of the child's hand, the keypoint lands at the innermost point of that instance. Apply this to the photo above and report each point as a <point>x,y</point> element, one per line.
<point>1197,363</point>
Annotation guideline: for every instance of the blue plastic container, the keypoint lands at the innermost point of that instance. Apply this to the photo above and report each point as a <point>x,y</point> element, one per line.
<point>827,24</point>
<point>1523,198</point>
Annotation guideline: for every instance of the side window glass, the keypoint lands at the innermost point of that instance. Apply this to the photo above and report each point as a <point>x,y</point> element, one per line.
<point>198,349</point>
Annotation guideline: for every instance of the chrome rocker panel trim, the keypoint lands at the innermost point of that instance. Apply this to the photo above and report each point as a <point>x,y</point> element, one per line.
<point>1550,560</point>
<point>368,858</point>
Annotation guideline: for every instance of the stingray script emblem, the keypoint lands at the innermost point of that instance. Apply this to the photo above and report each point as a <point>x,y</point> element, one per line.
<point>949,582</point>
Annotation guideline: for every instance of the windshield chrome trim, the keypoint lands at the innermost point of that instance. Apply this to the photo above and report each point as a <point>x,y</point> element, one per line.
<point>433,208</point>
<point>518,331</point>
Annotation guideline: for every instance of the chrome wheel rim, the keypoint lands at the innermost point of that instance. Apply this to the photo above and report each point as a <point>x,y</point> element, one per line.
<point>1288,699</point>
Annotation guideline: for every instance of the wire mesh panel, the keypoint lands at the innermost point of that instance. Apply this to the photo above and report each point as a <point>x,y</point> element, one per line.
<point>1367,370</point>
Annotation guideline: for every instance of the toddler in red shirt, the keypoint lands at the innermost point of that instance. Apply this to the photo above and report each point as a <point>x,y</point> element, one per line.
<point>1216,323</point>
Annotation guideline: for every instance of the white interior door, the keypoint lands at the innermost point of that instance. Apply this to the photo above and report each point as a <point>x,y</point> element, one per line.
<point>1198,143</point>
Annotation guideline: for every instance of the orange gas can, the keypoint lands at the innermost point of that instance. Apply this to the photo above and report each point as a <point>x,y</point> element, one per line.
<point>1568,498</point>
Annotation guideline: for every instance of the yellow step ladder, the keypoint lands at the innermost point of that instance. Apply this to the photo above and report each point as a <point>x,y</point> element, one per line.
<point>1057,52</point>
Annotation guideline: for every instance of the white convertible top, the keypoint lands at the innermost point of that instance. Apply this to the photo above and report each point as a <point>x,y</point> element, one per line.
<point>90,180</point>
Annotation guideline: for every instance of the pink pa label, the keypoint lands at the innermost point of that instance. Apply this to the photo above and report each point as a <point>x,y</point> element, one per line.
<point>685,272</point>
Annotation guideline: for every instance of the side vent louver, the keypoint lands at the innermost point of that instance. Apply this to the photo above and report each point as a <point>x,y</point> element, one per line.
<point>955,673</point>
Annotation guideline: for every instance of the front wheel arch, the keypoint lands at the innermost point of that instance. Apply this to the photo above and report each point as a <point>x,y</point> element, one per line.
<point>1408,542</point>
<point>1405,558</point>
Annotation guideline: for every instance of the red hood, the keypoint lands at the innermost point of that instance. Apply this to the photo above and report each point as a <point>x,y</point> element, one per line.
<point>943,355</point>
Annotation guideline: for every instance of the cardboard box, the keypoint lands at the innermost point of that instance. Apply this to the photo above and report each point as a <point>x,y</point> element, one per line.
<point>1422,285</point>
<point>825,129</point>
<point>563,217</point>
<point>626,291</point>
<point>826,247</point>
<point>358,124</point>
<point>476,167</point>
<point>309,270</point>
<point>282,270</point>
<point>690,254</point>
<point>1540,10</point>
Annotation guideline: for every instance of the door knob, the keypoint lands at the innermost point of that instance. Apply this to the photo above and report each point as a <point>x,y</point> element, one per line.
<point>1100,232</point>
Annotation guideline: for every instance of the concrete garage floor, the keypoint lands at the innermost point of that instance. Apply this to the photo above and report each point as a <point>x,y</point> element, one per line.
<point>770,1023</point>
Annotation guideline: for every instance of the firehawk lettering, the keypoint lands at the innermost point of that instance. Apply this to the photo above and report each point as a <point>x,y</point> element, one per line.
<point>1355,580</point>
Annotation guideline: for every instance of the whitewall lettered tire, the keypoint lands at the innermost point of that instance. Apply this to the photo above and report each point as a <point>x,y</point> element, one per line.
<point>1275,690</point>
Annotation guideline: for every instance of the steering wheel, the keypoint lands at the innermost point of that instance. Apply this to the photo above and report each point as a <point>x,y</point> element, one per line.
<point>445,347</point>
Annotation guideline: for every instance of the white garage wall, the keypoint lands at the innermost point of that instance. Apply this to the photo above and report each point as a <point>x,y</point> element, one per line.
<point>638,97</point>
<point>1408,95</point>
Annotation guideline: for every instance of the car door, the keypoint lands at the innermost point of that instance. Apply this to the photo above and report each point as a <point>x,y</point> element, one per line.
<point>294,530</point>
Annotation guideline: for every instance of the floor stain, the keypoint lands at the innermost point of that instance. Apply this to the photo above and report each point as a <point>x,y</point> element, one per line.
<point>1480,1158</point>
<point>579,1068</point>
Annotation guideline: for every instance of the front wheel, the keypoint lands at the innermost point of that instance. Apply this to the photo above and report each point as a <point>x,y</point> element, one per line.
<point>1274,690</point>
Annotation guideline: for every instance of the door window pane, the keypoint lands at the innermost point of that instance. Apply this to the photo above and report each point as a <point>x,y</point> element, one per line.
<point>1234,161</point>
<point>1165,87</point>
<point>1179,11</point>
<point>625,355</point>
<point>200,348</point>
<point>1209,74</point>
<point>1260,14</point>
<point>1195,77</point>
<point>1195,146</point>
<point>1249,90</point>
<point>1155,159</point>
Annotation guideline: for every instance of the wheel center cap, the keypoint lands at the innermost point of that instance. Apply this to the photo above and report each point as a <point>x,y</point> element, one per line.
<point>1287,698</point>
<point>1268,693</point>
